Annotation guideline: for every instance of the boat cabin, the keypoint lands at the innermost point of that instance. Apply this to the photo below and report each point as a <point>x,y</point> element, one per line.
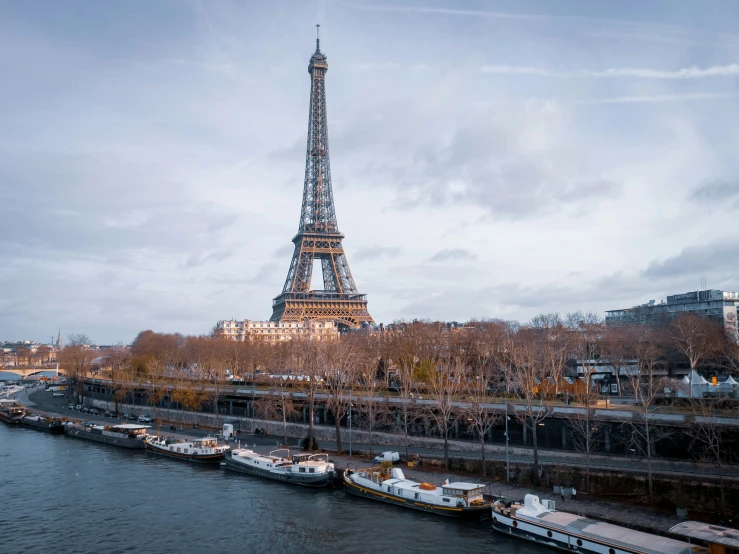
<point>462,490</point>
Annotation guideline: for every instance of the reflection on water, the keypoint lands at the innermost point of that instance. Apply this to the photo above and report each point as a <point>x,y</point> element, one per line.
<point>68,495</point>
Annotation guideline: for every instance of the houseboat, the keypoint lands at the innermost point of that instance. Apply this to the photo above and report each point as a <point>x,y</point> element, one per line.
<point>206,450</point>
<point>53,425</point>
<point>11,411</point>
<point>308,470</point>
<point>126,435</point>
<point>459,500</point>
<point>538,521</point>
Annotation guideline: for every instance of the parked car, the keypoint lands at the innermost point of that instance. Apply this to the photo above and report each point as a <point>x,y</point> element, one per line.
<point>144,418</point>
<point>93,411</point>
<point>70,407</point>
<point>78,407</point>
<point>58,394</point>
<point>393,457</point>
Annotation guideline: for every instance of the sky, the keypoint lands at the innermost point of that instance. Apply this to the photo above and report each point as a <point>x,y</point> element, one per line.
<point>493,159</point>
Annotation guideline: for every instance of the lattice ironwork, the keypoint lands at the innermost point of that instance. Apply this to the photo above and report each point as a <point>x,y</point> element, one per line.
<point>318,235</point>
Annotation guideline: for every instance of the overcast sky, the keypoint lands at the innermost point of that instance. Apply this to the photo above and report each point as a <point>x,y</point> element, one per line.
<point>489,159</point>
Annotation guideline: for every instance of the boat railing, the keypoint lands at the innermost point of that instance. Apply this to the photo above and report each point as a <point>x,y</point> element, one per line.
<point>322,457</point>
<point>273,455</point>
<point>374,474</point>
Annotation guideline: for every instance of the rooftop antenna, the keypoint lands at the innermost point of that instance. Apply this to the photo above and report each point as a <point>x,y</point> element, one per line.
<point>318,38</point>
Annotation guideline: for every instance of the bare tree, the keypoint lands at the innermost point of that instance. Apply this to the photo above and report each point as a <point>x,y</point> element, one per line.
<point>524,372</point>
<point>310,358</point>
<point>711,442</point>
<point>404,348</point>
<point>696,338</point>
<point>339,380</point>
<point>647,382</point>
<point>278,403</point>
<point>76,359</point>
<point>445,383</point>
<point>586,346</point>
<point>119,359</point>
<point>480,413</point>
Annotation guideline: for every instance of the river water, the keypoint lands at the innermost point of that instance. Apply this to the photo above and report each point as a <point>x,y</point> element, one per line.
<point>60,494</point>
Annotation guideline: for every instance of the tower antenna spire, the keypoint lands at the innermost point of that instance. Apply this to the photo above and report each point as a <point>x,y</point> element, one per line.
<point>318,38</point>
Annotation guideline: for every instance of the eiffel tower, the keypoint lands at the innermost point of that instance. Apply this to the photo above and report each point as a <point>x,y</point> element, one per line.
<point>318,235</point>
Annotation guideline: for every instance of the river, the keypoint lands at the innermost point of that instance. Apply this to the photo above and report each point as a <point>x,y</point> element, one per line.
<point>67,495</point>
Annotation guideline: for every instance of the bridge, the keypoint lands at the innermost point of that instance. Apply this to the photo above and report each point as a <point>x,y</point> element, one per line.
<point>27,372</point>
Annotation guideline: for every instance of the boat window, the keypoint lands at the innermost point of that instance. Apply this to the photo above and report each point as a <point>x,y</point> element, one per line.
<point>446,500</point>
<point>418,496</point>
<point>302,470</point>
<point>312,470</point>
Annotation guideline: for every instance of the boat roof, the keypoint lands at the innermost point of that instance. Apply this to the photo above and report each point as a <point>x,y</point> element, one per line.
<point>130,426</point>
<point>623,536</point>
<point>647,543</point>
<point>256,456</point>
<point>462,486</point>
<point>710,533</point>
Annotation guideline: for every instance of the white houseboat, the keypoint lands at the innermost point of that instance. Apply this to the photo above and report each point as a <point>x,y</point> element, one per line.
<point>539,522</point>
<point>308,470</point>
<point>459,500</point>
<point>205,450</point>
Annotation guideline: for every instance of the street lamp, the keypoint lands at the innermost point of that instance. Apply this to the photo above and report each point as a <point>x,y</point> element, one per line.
<point>507,470</point>
<point>350,423</point>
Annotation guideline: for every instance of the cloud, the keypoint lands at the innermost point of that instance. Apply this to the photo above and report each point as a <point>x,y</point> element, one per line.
<point>376,252</point>
<point>688,97</point>
<point>197,259</point>
<point>452,255</point>
<point>516,164</point>
<point>693,72</point>
<point>718,192</point>
<point>284,252</point>
<point>717,260</point>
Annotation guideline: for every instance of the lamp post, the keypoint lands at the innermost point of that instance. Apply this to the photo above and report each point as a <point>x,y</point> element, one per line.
<point>350,423</point>
<point>507,471</point>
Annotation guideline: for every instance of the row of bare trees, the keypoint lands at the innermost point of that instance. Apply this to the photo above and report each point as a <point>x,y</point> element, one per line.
<point>419,373</point>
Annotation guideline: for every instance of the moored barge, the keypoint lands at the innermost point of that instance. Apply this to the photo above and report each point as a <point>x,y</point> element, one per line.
<point>11,411</point>
<point>539,522</point>
<point>308,470</point>
<point>126,435</point>
<point>53,425</point>
<point>205,450</point>
<point>458,500</point>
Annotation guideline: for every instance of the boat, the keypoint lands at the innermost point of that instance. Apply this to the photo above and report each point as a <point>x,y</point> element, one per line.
<point>11,411</point>
<point>126,435</point>
<point>538,521</point>
<point>205,450</point>
<point>308,470</point>
<point>53,425</point>
<point>459,500</point>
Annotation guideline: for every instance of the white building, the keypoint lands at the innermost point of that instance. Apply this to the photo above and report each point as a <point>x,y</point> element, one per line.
<point>275,330</point>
